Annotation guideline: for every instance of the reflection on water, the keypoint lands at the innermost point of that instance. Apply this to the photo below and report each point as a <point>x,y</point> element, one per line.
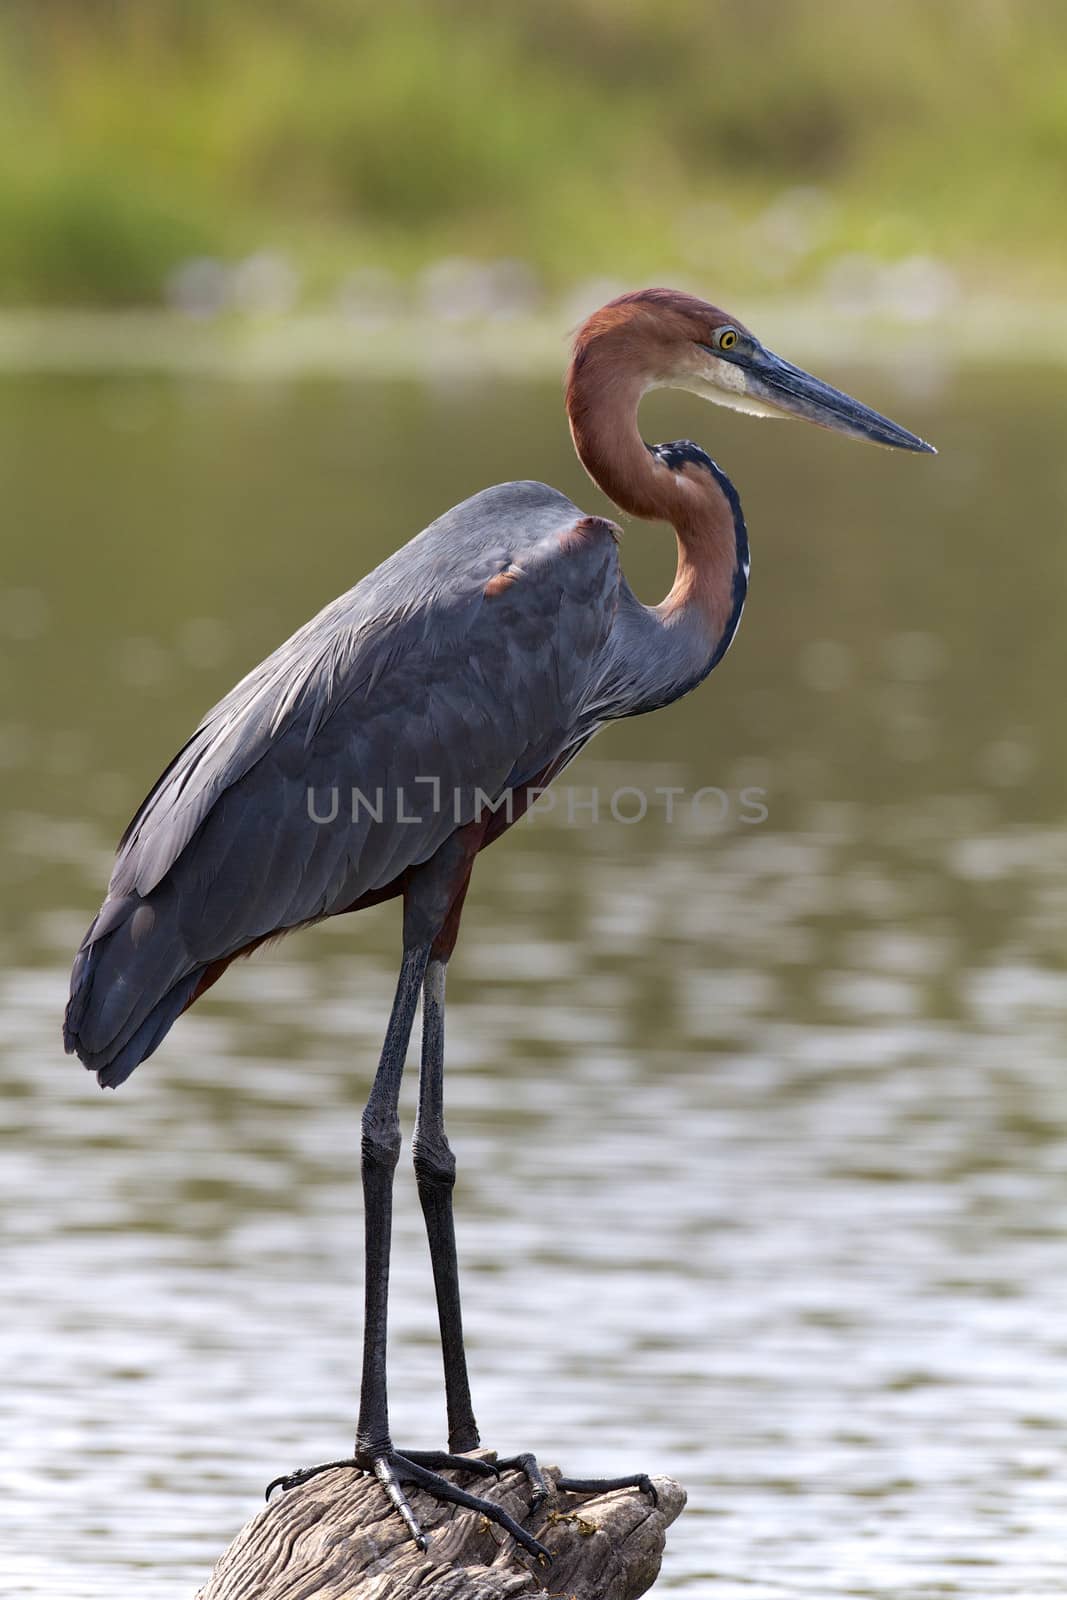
<point>762,1128</point>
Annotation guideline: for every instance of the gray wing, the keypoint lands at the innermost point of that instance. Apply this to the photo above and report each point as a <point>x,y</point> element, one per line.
<point>457,669</point>
<point>417,689</point>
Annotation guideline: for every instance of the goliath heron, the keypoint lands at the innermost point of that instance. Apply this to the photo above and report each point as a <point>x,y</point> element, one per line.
<point>445,690</point>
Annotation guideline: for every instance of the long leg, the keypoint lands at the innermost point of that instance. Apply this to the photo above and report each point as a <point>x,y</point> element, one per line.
<point>435,1171</point>
<point>380,1151</point>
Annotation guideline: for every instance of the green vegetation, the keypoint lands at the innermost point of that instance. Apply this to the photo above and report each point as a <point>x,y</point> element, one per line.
<point>584,137</point>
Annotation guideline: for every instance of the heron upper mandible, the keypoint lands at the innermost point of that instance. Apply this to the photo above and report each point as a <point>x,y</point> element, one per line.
<point>392,738</point>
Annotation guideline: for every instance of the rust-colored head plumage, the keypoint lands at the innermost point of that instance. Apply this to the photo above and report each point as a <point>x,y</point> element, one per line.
<point>649,335</point>
<point>669,310</point>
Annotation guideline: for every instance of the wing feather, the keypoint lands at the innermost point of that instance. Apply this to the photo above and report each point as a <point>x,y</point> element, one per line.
<point>413,683</point>
<point>425,687</point>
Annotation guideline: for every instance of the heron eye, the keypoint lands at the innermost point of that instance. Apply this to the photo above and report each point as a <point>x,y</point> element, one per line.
<point>725,338</point>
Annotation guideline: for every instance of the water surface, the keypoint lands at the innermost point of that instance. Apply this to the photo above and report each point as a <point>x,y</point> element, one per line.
<point>762,1126</point>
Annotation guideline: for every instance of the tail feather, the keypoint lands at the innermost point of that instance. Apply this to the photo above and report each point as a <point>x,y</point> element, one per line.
<point>132,978</point>
<point>116,1069</point>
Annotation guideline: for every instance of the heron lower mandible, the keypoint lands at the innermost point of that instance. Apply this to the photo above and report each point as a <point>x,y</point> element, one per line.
<point>402,730</point>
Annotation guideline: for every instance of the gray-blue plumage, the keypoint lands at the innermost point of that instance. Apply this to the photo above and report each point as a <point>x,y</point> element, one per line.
<point>418,688</point>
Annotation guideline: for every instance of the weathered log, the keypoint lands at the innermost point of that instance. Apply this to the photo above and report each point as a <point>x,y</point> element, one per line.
<point>336,1537</point>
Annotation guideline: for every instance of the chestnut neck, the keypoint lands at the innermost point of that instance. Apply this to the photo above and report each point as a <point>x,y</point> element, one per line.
<point>677,484</point>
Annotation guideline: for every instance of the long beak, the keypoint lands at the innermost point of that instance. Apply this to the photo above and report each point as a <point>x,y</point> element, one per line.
<point>787,388</point>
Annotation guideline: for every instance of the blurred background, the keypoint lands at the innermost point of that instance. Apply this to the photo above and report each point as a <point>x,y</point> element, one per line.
<point>762,1127</point>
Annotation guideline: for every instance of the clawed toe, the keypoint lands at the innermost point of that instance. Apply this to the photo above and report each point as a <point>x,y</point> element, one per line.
<point>410,1471</point>
<point>528,1463</point>
<point>638,1480</point>
<point>543,1489</point>
<point>291,1480</point>
<point>441,1460</point>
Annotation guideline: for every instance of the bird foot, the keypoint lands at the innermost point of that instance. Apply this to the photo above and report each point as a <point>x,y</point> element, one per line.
<point>423,1468</point>
<point>546,1488</point>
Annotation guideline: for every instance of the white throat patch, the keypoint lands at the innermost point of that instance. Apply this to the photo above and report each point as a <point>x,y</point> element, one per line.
<point>729,387</point>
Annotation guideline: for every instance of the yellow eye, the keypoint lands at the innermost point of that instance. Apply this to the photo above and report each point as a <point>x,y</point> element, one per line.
<point>726,338</point>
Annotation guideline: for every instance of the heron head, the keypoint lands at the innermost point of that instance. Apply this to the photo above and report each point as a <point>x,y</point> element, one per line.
<point>685,343</point>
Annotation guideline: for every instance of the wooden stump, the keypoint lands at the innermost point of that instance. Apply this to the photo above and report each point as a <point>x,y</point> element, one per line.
<point>337,1538</point>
